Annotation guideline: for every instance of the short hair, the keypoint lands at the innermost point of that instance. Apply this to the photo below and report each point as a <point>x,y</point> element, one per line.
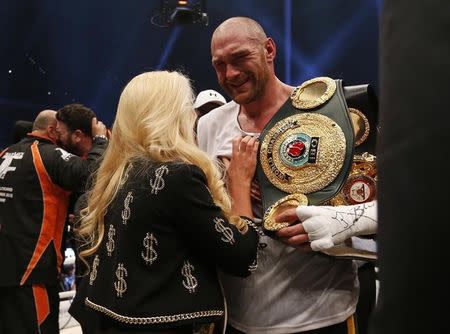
<point>76,116</point>
<point>251,28</point>
<point>43,119</point>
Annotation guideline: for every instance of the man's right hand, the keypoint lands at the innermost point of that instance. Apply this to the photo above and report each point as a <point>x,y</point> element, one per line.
<point>98,128</point>
<point>327,226</point>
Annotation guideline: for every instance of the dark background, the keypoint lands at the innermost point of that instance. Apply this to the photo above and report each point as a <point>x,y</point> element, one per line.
<point>55,52</point>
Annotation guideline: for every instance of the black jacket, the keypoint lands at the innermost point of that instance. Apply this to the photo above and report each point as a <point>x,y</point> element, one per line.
<point>36,178</point>
<point>163,239</point>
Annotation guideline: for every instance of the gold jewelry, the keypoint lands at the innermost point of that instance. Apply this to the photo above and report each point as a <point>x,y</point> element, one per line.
<point>313,93</point>
<point>361,125</point>
<point>289,201</point>
<point>303,153</point>
<point>361,184</point>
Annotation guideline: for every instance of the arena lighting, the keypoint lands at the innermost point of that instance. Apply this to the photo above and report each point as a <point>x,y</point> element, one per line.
<point>181,12</point>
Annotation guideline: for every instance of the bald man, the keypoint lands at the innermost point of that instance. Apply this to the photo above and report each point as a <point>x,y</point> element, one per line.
<point>291,291</point>
<point>36,179</point>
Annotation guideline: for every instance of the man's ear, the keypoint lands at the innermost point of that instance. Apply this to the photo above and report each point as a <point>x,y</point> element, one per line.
<point>77,135</point>
<point>270,49</point>
<point>51,132</point>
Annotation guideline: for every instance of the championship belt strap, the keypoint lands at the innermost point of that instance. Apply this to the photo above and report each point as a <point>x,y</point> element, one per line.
<point>306,149</point>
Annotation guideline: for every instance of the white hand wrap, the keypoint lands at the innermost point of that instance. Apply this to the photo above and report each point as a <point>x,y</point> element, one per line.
<point>328,226</point>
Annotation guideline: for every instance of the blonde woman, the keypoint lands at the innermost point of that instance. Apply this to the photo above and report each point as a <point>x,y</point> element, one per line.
<point>159,220</point>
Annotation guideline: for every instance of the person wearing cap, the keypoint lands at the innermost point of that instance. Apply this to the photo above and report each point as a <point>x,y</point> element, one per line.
<point>208,100</point>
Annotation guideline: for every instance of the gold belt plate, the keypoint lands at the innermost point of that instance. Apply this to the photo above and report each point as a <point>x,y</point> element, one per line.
<point>361,184</point>
<point>313,93</point>
<point>361,127</point>
<point>303,153</point>
<point>289,201</point>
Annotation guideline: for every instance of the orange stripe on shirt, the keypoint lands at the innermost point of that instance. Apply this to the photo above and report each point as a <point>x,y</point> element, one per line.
<point>3,152</point>
<point>41,303</point>
<point>55,203</point>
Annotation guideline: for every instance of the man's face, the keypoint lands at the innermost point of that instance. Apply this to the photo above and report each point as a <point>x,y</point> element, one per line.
<point>206,108</point>
<point>65,138</point>
<point>241,67</point>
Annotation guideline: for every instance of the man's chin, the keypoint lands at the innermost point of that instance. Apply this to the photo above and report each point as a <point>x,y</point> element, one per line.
<point>243,98</point>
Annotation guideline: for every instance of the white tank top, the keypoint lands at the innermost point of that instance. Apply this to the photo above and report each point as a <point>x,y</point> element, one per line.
<point>291,291</point>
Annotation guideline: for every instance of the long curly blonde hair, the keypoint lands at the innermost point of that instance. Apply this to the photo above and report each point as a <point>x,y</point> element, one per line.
<point>155,120</point>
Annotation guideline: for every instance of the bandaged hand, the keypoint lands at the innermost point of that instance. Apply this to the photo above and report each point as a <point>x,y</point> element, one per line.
<point>327,226</point>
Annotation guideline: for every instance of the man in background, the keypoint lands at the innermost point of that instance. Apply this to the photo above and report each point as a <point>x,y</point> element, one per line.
<point>36,179</point>
<point>73,127</point>
<point>208,100</point>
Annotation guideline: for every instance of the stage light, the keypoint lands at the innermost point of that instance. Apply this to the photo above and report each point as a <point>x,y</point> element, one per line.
<point>181,12</point>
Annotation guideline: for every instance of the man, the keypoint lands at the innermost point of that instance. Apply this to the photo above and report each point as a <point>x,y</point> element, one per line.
<point>36,178</point>
<point>74,135</point>
<point>208,100</point>
<point>291,291</point>
<point>74,130</point>
<point>73,126</point>
<point>325,227</point>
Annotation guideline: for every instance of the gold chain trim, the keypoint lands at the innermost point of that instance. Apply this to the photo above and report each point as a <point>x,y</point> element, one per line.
<point>152,320</point>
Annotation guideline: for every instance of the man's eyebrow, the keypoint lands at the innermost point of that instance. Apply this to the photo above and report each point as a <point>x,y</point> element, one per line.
<point>237,54</point>
<point>241,53</point>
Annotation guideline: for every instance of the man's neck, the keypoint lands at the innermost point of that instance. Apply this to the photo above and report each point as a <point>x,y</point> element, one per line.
<point>84,147</point>
<point>254,116</point>
<point>42,134</point>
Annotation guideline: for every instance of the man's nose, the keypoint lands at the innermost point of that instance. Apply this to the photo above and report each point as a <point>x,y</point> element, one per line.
<point>231,72</point>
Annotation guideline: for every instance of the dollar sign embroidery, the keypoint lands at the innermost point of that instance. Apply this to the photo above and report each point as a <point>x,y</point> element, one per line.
<point>93,274</point>
<point>227,232</point>
<point>126,212</point>
<point>190,281</point>
<point>254,265</point>
<point>158,184</point>
<point>120,285</point>
<point>150,253</point>
<point>110,243</point>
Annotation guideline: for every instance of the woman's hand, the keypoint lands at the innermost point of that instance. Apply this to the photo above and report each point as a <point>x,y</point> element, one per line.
<point>240,172</point>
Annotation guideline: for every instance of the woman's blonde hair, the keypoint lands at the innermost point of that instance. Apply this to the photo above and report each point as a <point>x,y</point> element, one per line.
<point>154,121</point>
